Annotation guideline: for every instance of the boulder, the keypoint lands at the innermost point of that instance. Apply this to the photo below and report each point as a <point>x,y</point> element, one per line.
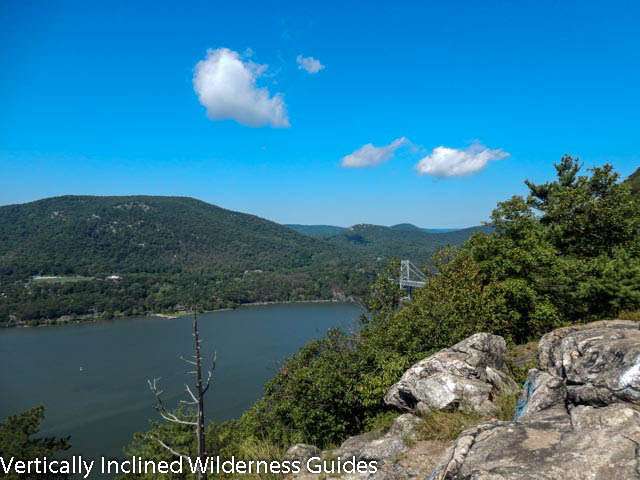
<point>381,448</point>
<point>586,444</point>
<point>468,375</point>
<point>577,417</point>
<point>598,362</point>
<point>541,391</point>
<point>388,449</point>
<point>302,452</point>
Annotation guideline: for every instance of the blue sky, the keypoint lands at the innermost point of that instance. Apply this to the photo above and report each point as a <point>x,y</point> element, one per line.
<point>99,98</point>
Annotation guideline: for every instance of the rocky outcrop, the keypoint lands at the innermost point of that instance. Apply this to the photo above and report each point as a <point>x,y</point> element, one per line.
<point>577,417</point>
<point>599,363</point>
<point>372,446</point>
<point>398,453</point>
<point>468,375</point>
<point>302,452</point>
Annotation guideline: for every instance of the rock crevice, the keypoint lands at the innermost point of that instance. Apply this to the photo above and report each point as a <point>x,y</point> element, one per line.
<point>573,420</point>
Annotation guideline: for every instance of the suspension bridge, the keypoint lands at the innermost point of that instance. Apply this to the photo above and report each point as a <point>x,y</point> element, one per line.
<point>411,277</point>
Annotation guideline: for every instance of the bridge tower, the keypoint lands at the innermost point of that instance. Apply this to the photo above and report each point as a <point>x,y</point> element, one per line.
<point>411,277</point>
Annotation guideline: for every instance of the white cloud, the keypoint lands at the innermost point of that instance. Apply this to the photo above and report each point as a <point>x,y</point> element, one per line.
<point>226,87</point>
<point>451,162</point>
<point>370,155</point>
<point>309,64</point>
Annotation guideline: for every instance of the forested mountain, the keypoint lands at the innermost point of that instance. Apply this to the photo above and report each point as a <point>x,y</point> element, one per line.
<point>378,242</point>
<point>317,231</point>
<point>634,181</point>
<point>79,255</point>
<point>84,255</point>
<point>404,240</point>
<point>101,235</point>
<point>326,231</point>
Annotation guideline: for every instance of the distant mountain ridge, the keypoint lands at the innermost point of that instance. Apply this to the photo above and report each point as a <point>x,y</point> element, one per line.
<point>324,231</point>
<point>416,244</point>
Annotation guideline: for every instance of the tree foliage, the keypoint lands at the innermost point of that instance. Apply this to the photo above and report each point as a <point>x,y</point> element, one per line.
<point>18,439</point>
<point>567,253</point>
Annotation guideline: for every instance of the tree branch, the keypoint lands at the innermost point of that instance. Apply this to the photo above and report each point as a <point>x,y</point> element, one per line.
<point>167,447</point>
<point>162,410</point>
<point>214,358</point>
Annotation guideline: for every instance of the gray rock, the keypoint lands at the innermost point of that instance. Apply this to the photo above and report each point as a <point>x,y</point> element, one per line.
<point>302,452</point>
<point>470,374</point>
<point>577,416</point>
<point>381,448</point>
<point>541,391</point>
<point>599,362</point>
<point>588,443</point>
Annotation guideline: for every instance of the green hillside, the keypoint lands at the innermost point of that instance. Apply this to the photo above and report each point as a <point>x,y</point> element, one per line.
<point>144,234</point>
<point>85,256</point>
<point>317,231</point>
<point>400,241</point>
<point>634,181</point>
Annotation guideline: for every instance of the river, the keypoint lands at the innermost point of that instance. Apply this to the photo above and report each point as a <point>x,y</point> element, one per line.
<point>92,378</point>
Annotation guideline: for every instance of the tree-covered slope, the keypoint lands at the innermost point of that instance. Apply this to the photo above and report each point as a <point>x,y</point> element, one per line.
<point>317,231</point>
<point>82,256</point>
<point>400,241</point>
<point>98,235</point>
<point>634,181</point>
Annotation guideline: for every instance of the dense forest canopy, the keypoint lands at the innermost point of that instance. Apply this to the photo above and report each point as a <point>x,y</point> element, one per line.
<point>19,438</point>
<point>634,182</point>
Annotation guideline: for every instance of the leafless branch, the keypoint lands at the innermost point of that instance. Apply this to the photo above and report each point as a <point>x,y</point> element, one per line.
<point>186,360</point>
<point>214,358</point>
<point>168,448</point>
<point>193,397</point>
<point>162,410</point>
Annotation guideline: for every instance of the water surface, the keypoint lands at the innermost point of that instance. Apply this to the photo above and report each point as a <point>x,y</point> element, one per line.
<point>92,378</point>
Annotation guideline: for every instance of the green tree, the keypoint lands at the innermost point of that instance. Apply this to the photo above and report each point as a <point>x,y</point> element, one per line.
<point>18,439</point>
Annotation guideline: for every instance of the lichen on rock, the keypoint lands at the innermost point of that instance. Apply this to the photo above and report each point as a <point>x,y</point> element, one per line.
<point>469,375</point>
<point>577,417</point>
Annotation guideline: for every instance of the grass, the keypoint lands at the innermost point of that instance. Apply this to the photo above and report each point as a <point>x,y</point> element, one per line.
<point>254,449</point>
<point>630,315</point>
<point>60,279</point>
<point>446,426</point>
<point>381,422</point>
<point>520,359</point>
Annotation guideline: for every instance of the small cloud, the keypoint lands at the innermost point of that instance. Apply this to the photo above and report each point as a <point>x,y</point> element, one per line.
<point>452,162</point>
<point>309,64</point>
<point>226,87</point>
<point>369,155</point>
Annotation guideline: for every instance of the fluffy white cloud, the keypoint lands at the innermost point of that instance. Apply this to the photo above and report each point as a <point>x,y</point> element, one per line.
<point>309,64</point>
<point>369,155</point>
<point>226,87</point>
<point>451,162</point>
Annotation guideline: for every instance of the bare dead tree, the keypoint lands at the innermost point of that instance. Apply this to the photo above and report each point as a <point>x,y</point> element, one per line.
<point>195,399</point>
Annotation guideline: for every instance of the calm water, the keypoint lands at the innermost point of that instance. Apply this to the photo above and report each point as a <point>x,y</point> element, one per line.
<point>93,378</point>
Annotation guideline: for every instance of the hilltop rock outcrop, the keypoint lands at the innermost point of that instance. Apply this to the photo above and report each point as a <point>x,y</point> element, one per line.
<point>577,418</point>
<point>398,453</point>
<point>468,375</point>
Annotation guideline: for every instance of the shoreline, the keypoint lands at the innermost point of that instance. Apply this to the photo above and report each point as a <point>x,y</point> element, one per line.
<point>174,315</point>
<point>60,322</point>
